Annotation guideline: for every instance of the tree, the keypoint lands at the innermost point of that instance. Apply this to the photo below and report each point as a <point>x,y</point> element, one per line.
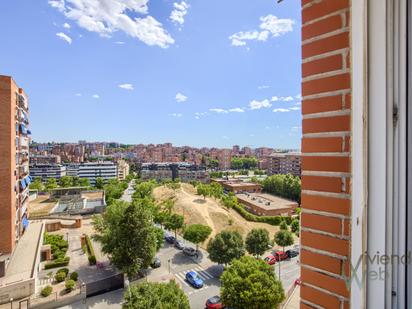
<point>160,237</point>
<point>257,241</point>
<point>99,183</point>
<point>226,246</point>
<point>75,181</point>
<point>197,233</point>
<point>84,182</point>
<point>284,238</point>
<point>174,222</point>
<point>126,234</point>
<point>251,283</point>
<point>155,296</point>
<point>216,190</point>
<point>295,226</point>
<point>65,181</point>
<point>203,190</point>
<point>37,185</point>
<point>51,184</point>
<point>283,226</point>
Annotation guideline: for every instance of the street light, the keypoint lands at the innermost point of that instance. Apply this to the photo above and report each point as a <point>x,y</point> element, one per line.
<point>11,303</point>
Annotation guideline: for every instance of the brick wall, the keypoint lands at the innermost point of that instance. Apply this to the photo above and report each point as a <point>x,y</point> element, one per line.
<point>326,170</point>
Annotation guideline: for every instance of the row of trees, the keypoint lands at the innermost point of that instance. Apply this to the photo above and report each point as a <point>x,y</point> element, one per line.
<point>246,163</point>
<point>287,186</point>
<point>63,182</point>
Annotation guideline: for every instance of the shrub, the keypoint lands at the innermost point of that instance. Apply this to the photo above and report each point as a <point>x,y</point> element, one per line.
<point>89,245</point>
<point>74,276</point>
<point>60,276</point>
<point>63,270</point>
<point>70,285</point>
<point>92,260</point>
<point>46,291</point>
<point>58,263</point>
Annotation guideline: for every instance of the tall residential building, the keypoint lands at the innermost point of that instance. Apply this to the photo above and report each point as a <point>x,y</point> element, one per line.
<point>285,163</point>
<point>46,171</point>
<point>123,169</point>
<point>94,170</point>
<point>14,163</point>
<point>225,159</point>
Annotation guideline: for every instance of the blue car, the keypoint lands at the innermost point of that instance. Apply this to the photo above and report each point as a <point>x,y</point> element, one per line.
<point>193,278</point>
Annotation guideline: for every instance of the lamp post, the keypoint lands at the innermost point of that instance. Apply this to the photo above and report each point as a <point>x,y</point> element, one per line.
<point>11,303</point>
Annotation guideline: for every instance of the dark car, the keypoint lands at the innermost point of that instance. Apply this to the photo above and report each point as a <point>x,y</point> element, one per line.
<point>189,251</point>
<point>170,239</point>
<point>179,244</point>
<point>193,278</point>
<point>292,253</point>
<point>156,263</point>
<point>214,303</point>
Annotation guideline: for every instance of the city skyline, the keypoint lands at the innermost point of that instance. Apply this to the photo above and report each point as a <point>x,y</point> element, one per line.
<point>186,78</point>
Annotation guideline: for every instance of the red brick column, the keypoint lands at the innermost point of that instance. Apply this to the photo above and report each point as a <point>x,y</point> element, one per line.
<point>326,153</point>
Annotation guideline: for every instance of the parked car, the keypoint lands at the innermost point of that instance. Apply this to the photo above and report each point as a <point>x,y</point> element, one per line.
<point>179,244</point>
<point>281,256</point>
<point>170,239</point>
<point>270,259</point>
<point>189,251</point>
<point>292,253</point>
<point>193,278</point>
<point>214,303</point>
<point>156,263</point>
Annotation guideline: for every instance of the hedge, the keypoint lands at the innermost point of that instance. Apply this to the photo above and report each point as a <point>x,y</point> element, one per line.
<point>90,251</point>
<point>272,220</point>
<point>58,263</point>
<point>46,291</point>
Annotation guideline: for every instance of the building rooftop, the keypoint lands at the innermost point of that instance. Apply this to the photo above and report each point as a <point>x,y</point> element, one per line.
<point>266,201</point>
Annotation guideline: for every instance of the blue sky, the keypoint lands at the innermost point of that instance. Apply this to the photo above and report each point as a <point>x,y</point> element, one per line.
<point>193,72</point>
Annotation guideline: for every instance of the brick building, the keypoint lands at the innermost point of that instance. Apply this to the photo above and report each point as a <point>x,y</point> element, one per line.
<point>284,163</point>
<point>355,151</point>
<point>14,163</point>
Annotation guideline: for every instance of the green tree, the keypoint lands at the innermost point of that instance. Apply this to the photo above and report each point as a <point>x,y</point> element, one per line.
<point>84,182</point>
<point>144,189</point>
<point>51,184</point>
<point>174,222</point>
<point>216,190</point>
<point>37,185</point>
<point>99,183</point>
<point>126,234</point>
<point>283,226</point>
<point>203,190</point>
<point>284,238</point>
<point>226,246</point>
<point>160,237</point>
<point>197,233</point>
<point>257,241</point>
<point>155,296</point>
<point>65,181</point>
<point>295,226</point>
<point>251,283</point>
<point>75,181</point>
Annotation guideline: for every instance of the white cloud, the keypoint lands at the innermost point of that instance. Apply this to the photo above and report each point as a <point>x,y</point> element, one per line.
<point>294,108</point>
<point>274,99</point>
<point>179,12</point>
<point>78,94</point>
<point>197,117</point>
<point>237,110</point>
<point>64,37</point>
<point>263,87</point>
<point>281,110</point>
<point>296,129</point>
<point>225,137</point>
<point>119,42</point>
<point>260,104</point>
<point>108,16</point>
<point>218,110</point>
<point>270,26</point>
<point>298,97</point>
<point>66,26</point>
<point>252,135</point>
<point>95,96</point>
<point>126,86</point>
<point>178,115</point>
<point>286,99</point>
<point>180,97</point>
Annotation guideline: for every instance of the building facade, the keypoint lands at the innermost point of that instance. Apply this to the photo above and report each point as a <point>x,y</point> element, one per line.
<point>186,172</point>
<point>284,163</point>
<point>94,170</point>
<point>123,169</point>
<point>14,163</point>
<point>46,171</point>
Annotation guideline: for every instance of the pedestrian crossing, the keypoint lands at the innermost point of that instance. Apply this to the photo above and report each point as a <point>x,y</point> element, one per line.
<point>205,275</point>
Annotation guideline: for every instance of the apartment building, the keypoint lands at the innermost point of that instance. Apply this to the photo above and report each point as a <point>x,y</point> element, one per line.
<point>45,159</point>
<point>123,169</point>
<point>14,163</point>
<point>284,163</point>
<point>46,171</point>
<point>225,159</point>
<point>93,170</point>
<point>186,172</point>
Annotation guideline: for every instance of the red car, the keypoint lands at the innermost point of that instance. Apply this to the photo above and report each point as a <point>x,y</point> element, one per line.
<point>214,303</point>
<point>271,260</point>
<point>281,256</point>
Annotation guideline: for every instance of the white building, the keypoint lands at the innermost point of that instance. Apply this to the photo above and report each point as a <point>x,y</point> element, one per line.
<point>46,171</point>
<point>94,170</point>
